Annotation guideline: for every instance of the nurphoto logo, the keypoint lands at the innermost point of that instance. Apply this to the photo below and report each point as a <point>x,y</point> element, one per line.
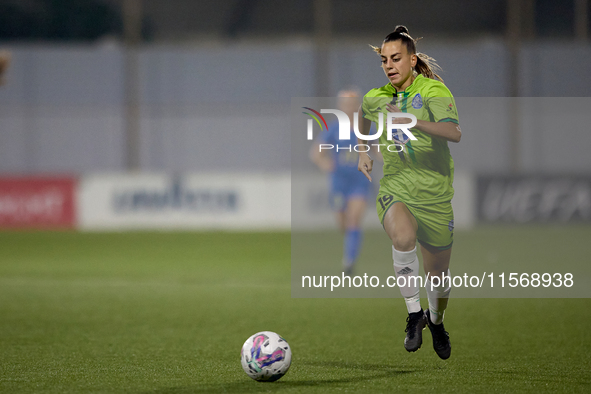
<point>399,133</point>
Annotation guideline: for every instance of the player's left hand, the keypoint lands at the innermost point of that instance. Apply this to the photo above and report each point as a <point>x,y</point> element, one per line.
<point>393,108</point>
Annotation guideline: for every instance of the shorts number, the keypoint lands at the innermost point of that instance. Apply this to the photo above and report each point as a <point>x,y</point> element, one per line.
<point>385,201</point>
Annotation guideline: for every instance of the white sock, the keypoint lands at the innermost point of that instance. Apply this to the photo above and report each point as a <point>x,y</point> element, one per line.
<point>438,298</point>
<point>406,264</point>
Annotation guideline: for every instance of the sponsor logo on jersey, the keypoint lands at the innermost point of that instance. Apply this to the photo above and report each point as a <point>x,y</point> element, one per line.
<point>417,101</point>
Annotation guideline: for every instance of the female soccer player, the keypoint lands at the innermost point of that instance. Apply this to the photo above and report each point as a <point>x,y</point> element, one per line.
<point>349,189</point>
<point>414,201</point>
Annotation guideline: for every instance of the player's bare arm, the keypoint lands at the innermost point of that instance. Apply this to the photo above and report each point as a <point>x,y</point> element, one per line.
<point>449,131</point>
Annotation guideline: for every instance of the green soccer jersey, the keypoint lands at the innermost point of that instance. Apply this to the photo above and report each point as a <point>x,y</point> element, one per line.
<point>423,172</point>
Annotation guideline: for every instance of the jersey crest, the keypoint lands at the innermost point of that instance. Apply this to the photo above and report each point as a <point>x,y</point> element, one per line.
<point>417,101</point>
<point>450,226</point>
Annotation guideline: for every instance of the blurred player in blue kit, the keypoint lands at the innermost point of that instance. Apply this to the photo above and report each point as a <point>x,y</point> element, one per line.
<point>349,189</point>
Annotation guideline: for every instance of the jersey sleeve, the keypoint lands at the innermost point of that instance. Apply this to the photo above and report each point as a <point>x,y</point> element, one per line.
<point>441,104</point>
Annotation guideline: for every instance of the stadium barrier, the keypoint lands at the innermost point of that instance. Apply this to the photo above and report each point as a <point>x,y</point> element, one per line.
<point>192,201</point>
<point>38,202</point>
<point>225,201</point>
<point>534,198</point>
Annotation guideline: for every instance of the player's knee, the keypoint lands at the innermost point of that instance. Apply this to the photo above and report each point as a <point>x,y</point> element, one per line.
<point>404,241</point>
<point>353,222</point>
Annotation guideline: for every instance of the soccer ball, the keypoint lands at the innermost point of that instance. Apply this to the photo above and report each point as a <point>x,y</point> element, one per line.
<point>265,356</point>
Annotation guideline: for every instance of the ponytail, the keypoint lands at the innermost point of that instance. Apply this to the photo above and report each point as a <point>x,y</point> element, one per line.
<point>426,65</point>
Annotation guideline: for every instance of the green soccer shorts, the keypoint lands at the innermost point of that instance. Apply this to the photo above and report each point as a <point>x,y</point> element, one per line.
<point>435,221</point>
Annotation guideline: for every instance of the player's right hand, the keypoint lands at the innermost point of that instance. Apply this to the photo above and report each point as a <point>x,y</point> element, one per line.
<point>365,164</point>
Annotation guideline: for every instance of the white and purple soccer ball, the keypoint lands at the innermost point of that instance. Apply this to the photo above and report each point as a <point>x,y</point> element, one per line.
<point>265,356</point>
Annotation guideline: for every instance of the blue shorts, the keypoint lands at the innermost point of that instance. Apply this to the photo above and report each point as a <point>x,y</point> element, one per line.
<point>344,189</point>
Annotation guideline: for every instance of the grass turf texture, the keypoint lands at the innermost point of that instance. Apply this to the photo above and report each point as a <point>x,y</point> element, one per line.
<point>168,313</point>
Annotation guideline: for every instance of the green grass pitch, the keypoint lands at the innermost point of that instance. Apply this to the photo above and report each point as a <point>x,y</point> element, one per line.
<point>168,313</point>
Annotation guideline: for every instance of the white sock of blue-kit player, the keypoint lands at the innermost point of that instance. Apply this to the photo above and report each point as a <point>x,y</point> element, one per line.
<point>438,297</point>
<point>406,264</point>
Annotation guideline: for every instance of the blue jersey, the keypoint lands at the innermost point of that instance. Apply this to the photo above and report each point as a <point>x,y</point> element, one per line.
<point>346,180</point>
<point>346,159</point>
